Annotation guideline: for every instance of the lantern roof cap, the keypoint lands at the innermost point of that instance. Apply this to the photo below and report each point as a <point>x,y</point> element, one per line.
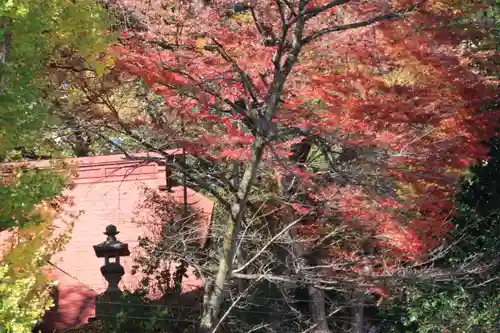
<point>111,246</point>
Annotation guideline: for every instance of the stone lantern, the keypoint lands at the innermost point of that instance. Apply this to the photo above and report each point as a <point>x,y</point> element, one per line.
<point>111,250</point>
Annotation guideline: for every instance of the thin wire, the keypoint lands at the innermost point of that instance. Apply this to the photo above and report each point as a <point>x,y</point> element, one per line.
<point>143,318</point>
<point>177,307</point>
<point>197,321</point>
<point>249,299</point>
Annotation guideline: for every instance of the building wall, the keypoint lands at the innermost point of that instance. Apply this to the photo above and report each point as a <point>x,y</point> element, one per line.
<point>107,190</point>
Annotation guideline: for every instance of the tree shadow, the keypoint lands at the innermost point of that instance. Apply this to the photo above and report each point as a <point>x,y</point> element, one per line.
<point>73,306</point>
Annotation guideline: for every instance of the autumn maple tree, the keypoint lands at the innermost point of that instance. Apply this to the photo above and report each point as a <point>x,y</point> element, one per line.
<point>363,113</point>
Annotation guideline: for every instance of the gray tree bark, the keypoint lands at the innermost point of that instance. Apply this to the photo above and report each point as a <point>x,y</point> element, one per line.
<point>215,292</point>
<point>358,311</point>
<point>5,40</point>
<point>317,308</point>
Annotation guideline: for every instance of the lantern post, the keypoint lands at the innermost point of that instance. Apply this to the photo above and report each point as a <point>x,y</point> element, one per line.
<point>111,250</point>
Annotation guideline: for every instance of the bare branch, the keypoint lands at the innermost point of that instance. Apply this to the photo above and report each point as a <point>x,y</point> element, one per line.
<point>328,316</point>
<point>269,243</point>
<point>290,7</point>
<point>312,12</point>
<point>282,41</point>
<point>249,86</point>
<point>281,72</point>
<point>228,311</point>
<point>386,17</point>
<point>178,164</point>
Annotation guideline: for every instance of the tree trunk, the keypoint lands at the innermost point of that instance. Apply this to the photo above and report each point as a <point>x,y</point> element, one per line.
<point>316,298</point>
<point>5,42</point>
<point>358,309</point>
<point>300,152</point>
<point>266,127</point>
<point>214,292</point>
<point>317,308</point>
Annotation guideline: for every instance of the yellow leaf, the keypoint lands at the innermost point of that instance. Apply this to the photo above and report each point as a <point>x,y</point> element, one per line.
<point>201,42</point>
<point>243,18</point>
<point>100,68</point>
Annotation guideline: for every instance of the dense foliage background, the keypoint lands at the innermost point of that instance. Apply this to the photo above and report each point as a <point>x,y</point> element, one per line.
<point>334,152</point>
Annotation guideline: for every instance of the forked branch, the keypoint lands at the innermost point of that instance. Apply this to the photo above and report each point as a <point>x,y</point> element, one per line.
<point>385,17</point>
